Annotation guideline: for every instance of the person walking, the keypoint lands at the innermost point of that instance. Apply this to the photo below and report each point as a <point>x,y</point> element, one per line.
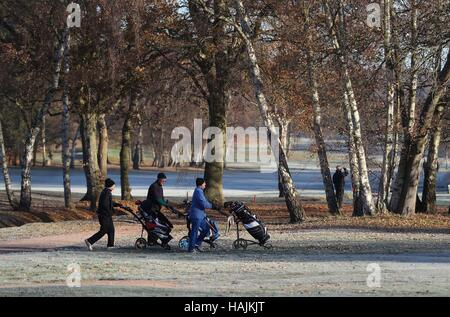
<point>155,194</point>
<point>197,216</point>
<point>339,184</point>
<point>155,201</point>
<point>105,211</point>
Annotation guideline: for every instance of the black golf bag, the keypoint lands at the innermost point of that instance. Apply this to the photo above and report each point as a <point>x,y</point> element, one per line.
<point>255,227</point>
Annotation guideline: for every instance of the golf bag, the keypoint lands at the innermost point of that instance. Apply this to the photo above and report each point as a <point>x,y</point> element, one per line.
<point>255,227</point>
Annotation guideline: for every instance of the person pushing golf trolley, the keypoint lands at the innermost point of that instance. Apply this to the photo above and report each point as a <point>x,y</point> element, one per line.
<point>201,228</point>
<point>157,226</point>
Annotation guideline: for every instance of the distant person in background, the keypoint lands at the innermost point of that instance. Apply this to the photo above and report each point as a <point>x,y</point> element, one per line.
<point>105,211</point>
<point>339,184</point>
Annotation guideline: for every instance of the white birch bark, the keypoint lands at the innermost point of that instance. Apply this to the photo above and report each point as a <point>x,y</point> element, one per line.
<point>294,205</point>
<point>25,192</point>
<point>65,130</point>
<point>6,177</point>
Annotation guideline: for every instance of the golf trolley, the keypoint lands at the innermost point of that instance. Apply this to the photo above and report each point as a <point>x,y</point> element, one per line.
<point>255,227</point>
<point>155,224</point>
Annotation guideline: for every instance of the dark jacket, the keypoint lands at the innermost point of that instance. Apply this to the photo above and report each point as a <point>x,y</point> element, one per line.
<point>155,196</point>
<point>106,204</point>
<point>339,180</point>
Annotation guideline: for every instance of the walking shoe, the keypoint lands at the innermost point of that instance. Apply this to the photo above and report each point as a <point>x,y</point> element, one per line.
<point>89,246</point>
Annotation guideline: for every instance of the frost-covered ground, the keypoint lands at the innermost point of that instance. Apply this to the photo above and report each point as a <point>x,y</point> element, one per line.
<point>34,260</point>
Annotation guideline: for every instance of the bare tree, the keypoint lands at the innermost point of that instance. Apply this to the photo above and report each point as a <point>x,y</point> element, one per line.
<point>337,31</point>
<point>6,177</point>
<point>294,205</point>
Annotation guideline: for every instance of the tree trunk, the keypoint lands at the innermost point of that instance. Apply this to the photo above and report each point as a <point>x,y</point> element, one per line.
<point>65,130</point>
<point>414,72</point>
<point>215,67</point>
<point>358,209</point>
<point>333,207</point>
<point>219,99</point>
<point>137,156</point>
<point>336,31</point>
<point>218,103</point>
<point>125,149</point>
<point>407,203</point>
<point>431,168</point>
<point>35,150</point>
<point>446,156</point>
<point>74,148</point>
<point>25,192</point>
<point>284,128</point>
<point>6,177</point>
<point>389,154</point>
<point>103,146</point>
<point>293,202</point>
<point>45,157</point>
<point>88,129</point>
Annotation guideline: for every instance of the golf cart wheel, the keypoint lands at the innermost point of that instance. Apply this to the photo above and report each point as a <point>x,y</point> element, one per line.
<point>183,244</point>
<point>140,244</point>
<point>240,243</point>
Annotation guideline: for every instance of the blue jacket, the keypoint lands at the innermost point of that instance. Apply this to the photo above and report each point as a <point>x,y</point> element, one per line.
<point>199,204</point>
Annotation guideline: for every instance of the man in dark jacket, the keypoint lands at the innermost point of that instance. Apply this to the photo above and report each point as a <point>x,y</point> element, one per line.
<point>155,195</point>
<point>339,184</point>
<point>105,211</point>
<point>156,200</point>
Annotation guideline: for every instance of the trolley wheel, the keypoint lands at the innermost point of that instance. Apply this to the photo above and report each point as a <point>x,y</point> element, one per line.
<point>166,247</point>
<point>240,243</point>
<point>183,244</point>
<point>268,246</point>
<point>140,244</point>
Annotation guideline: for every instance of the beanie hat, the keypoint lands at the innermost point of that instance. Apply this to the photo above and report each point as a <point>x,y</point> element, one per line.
<point>162,176</point>
<point>109,183</point>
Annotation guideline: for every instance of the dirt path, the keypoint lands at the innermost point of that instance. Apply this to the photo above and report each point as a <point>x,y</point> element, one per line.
<point>49,242</point>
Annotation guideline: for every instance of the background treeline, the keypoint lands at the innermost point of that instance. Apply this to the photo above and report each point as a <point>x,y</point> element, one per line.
<point>138,68</point>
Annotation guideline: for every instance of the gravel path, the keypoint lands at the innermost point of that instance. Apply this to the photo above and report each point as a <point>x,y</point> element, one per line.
<point>34,261</point>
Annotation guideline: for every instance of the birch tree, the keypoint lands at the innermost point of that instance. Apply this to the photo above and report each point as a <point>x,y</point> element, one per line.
<point>65,130</point>
<point>292,198</point>
<point>336,28</point>
<point>6,177</point>
<point>317,113</point>
<point>389,151</point>
<point>25,192</point>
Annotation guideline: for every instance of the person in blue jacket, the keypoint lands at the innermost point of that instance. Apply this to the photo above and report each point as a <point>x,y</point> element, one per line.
<point>197,216</point>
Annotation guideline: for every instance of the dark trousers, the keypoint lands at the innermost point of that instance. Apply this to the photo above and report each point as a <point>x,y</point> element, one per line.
<point>195,240</point>
<point>339,196</point>
<point>106,227</point>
